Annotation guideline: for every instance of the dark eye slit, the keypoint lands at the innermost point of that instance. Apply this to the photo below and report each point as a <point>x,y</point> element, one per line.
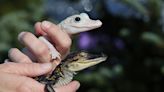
<point>75,59</point>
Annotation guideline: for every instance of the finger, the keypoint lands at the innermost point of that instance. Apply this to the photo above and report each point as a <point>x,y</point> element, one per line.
<point>16,55</point>
<point>38,48</point>
<point>60,38</point>
<point>26,69</point>
<point>71,87</point>
<point>29,54</point>
<point>38,30</point>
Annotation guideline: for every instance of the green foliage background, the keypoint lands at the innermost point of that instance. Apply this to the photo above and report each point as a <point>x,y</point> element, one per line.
<point>139,67</point>
<point>17,16</point>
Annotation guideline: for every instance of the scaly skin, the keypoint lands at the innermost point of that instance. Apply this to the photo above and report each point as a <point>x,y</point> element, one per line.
<point>64,73</point>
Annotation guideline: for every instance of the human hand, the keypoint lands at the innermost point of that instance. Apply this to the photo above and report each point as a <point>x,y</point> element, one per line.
<point>61,41</point>
<point>16,77</point>
<point>39,50</point>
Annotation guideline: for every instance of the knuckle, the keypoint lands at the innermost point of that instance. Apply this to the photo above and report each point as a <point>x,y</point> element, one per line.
<point>54,27</point>
<point>35,68</point>
<point>41,51</point>
<point>66,44</point>
<point>6,67</point>
<point>24,59</point>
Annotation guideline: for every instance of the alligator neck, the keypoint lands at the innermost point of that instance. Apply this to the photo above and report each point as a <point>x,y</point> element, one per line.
<point>66,76</point>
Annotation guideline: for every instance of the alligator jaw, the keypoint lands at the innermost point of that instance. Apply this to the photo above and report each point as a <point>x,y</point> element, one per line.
<point>83,60</point>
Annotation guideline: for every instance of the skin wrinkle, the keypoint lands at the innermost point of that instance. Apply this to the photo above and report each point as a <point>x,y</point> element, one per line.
<point>41,50</point>
<point>17,56</point>
<point>34,69</point>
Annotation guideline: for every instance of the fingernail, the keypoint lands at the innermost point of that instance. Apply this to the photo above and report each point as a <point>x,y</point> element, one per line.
<point>46,66</point>
<point>21,35</point>
<point>45,25</point>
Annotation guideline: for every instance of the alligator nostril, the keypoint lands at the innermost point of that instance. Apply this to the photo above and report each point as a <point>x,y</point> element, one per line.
<point>99,23</point>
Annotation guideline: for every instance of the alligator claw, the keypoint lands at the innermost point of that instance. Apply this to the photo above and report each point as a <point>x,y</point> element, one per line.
<point>49,88</point>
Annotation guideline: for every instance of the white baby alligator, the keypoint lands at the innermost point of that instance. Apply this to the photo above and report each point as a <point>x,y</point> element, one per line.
<point>72,25</point>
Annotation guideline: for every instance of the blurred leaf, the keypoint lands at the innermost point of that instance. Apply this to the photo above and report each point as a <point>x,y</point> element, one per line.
<point>118,69</point>
<point>137,5</point>
<point>124,32</point>
<point>162,70</point>
<point>106,72</point>
<point>4,46</point>
<point>14,22</point>
<point>153,38</point>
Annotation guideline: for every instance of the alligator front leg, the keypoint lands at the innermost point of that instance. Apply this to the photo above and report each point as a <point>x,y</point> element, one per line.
<point>54,53</point>
<point>49,88</point>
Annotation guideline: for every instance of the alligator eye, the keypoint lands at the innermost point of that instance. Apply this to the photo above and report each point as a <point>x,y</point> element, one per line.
<point>83,54</point>
<point>77,19</point>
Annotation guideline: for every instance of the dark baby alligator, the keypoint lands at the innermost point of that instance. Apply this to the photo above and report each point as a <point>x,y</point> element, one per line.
<point>64,73</point>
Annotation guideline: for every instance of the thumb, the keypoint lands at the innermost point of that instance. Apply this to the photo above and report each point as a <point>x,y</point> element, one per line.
<point>71,87</point>
<point>26,69</point>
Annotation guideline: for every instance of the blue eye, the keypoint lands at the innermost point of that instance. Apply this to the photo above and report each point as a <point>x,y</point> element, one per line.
<point>77,19</point>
